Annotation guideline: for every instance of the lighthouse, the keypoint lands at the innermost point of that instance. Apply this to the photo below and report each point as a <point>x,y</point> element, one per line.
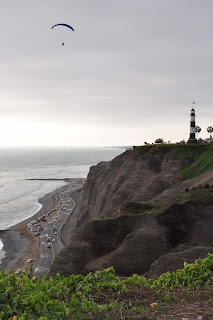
<point>192,138</point>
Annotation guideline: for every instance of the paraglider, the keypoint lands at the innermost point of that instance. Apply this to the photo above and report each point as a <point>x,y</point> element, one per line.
<point>65,25</point>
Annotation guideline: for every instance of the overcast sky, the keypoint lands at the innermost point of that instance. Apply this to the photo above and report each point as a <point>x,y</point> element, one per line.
<point>127,74</point>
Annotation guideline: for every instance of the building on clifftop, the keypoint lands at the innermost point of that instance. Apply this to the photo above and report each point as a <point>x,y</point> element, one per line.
<point>192,138</point>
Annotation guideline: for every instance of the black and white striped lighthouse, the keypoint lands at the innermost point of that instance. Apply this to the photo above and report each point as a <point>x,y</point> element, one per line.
<point>192,138</point>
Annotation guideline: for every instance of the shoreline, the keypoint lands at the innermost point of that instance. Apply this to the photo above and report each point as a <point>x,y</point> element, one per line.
<point>19,243</point>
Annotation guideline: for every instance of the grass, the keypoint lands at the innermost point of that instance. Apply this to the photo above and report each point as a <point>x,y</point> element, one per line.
<point>202,162</point>
<point>199,155</point>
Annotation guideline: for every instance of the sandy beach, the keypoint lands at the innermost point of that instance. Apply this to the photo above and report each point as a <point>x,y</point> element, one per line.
<point>20,244</point>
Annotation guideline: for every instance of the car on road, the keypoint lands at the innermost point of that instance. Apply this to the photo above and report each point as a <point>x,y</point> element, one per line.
<point>49,245</point>
<point>18,271</point>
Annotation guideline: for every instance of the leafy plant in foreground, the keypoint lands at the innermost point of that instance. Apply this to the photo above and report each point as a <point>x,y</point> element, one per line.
<point>99,295</point>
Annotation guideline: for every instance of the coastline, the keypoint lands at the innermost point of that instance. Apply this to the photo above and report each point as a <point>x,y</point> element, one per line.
<point>19,243</point>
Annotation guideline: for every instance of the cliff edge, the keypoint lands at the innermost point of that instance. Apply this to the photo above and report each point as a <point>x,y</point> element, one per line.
<point>146,211</point>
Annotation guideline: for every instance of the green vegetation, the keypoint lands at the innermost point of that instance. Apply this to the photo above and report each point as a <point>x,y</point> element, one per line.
<point>159,140</point>
<point>201,157</point>
<point>102,295</point>
<point>206,185</point>
<point>197,158</point>
<point>199,193</point>
<point>156,210</point>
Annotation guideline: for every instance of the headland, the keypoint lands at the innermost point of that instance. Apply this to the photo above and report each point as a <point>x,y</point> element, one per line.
<point>146,206</point>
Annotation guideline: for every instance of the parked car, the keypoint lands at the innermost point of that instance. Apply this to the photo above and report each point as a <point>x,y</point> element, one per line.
<point>18,271</point>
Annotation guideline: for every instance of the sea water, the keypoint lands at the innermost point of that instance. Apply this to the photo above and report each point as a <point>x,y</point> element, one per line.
<point>19,196</point>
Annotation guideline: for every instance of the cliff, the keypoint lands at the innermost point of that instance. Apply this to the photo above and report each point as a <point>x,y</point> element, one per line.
<point>146,211</point>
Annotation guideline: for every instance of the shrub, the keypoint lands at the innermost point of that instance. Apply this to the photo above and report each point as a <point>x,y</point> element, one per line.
<point>206,185</point>
<point>159,140</point>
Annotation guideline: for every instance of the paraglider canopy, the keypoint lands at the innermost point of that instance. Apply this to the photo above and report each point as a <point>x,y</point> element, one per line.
<point>63,24</point>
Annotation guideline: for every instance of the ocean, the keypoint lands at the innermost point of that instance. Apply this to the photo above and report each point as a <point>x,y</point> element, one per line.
<point>19,196</point>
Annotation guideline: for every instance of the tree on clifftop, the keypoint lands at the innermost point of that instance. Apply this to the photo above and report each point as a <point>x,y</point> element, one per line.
<point>209,130</point>
<point>197,130</point>
<point>159,140</point>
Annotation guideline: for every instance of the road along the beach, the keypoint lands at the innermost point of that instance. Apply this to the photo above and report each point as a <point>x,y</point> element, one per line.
<point>50,243</point>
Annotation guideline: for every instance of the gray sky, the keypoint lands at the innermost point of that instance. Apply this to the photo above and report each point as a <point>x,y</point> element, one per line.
<point>128,74</point>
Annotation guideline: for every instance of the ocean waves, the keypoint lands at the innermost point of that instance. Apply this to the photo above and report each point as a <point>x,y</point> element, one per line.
<point>19,196</point>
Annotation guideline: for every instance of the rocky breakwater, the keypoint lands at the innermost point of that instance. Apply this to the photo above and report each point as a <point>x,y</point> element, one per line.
<point>144,212</point>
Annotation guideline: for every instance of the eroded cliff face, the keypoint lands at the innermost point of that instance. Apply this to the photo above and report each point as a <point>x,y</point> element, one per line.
<point>131,177</point>
<point>136,214</point>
